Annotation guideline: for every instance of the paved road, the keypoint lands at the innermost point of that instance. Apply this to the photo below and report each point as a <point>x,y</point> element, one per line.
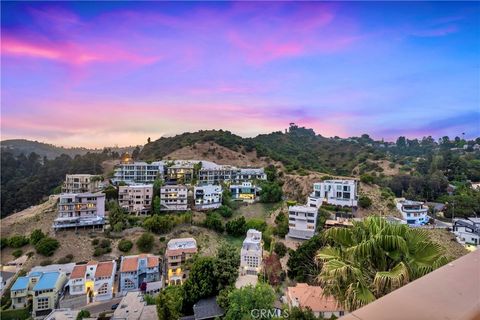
<point>98,307</point>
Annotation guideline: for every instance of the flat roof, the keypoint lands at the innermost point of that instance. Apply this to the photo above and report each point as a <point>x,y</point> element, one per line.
<point>20,284</point>
<point>450,292</point>
<point>303,209</point>
<point>47,281</point>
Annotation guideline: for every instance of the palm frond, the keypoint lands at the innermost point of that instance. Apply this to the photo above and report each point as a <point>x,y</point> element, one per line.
<point>386,281</point>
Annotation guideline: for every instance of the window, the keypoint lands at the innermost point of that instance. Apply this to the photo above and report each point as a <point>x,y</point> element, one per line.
<point>103,289</point>
<point>42,303</point>
<point>129,284</point>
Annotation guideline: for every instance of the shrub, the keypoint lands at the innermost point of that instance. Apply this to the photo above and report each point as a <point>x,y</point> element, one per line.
<point>257,224</point>
<point>3,243</point>
<point>47,246</point>
<point>214,222</point>
<point>17,253</point>
<point>280,249</point>
<point>83,314</point>
<point>225,211</point>
<point>145,242</point>
<point>101,251</point>
<point>67,259</point>
<point>162,239</point>
<point>17,241</point>
<point>95,242</point>
<point>105,243</point>
<point>158,224</point>
<point>45,262</point>
<point>364,202</point>
<point>125,245</point>
<point>236,227</point>
<point>367,178</point>
<point>36,236</point>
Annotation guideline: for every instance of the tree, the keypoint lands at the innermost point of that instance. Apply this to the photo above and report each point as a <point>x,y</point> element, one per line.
<point>243,301</point>
<point>225,211</point>
<point>297,313</point>
<point>257,224</point>
<point>145,242</point>
<point>214,222</point>
<point>169,303</point>
<point>83,314</point>
<point>36,236</point>
<point>47,246</point>
<point>201,282</point>
<point>272,270</point>
<point>17,241</point>
<point>125,245</point>
<point>301,264</point>
<point>158,224</point>
<point>281,228</point>
<point>236,227</point>
<point>280,249</point>
<point>364,202</point>
<point>226,265</point>
<point>271,192</point>
<point>373,258</point>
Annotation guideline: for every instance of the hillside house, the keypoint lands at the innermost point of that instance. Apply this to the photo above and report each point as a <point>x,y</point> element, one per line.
<point>467,230</point>
<point>207,197</point>
<point>173,198</point>
<point>245,191</point>
<point>81,183</point>
<point>302,221</point>
<point>136,198</point>
<point>415,213</point>
<point>177,253</point>
<point>94,279</point>
<point>138,172</point>
<point>137,270</point>
<point>336,192</point>
<point>80,210</point>
<point>251,254</point>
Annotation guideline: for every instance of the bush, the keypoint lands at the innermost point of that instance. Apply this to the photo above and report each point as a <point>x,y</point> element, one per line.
<point>236,227</point>
<point>83,314</point>
<point>125,245</point>
<point>105,243</point>
<point>14,314</point>
<point>95,242</point>
<point>36,236</point>
<point>257,224</point>
<point>225,211</point>
<point>214,222</point>
<point>145,242</point>
<point>67,259</point>
<point>158,224</point>
<point>364,202</point>
<point>101,251</point>
<point>47,246</point>
<point>17,253</point>
<point>162,239</point>
<point>17,241</point>
<point>46,262</point>
<point>366,178</point>
<point>3,243</point>
<point>280,249</point>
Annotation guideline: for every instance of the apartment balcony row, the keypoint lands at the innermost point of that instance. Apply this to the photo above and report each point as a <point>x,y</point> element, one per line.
<point>72,222</point>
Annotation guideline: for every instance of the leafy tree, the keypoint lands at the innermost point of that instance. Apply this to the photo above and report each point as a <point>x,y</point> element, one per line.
<point>373,258</point>
<point>225,211</point>
<point>83,314</point>
<point>243,301</point>
<point>257,224</point>
<point>47,246</point>
<point>301,264</point>
<point>125,245</point>
<point>17,253</point>
<point>145,242</point>
<point>170,302</point>
<point>364,201</point>
<point>17,241</point>
<point>280,249</point>
<point>36,236</point>
<point>271,192</point>
<point>201,282</point>
<point>297,313</point>
<point>214,222</point>
<point>281,228</point>
<point>272,270</point>
<point>236,227</point>
<point>367,178</point>
<point>117,217</point>
<point>226,265</point>
<point>158,224</point>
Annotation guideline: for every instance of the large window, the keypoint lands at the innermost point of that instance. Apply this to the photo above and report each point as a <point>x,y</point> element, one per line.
<point>42,303</point>
<point>103,289</point>
<point>129,284</point>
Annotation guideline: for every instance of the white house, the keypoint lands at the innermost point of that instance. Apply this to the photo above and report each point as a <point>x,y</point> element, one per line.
<point>251,253</point>
<point>415,213</point>
<point>246,191</point>
<point>336,192</point>
<point>95,279</point>
<point>80,210</point>
<point>207,197</point>
<point>302,221</point>
<point>136,198</point>
<point>138,172</point>
<point>467,230</point>
<point>80,183</point>
<point>173,198</point>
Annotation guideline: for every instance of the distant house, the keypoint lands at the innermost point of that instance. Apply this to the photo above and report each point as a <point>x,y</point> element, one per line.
<point>178,252</point>
<point>95,279</point>
<point>180,172</point>
<point>136,198</point>
<point>133,307</point>
<point>245,191</point>
<point>80,210</point>
<point>251,253</point>
<point>173,198</point>
<point>206,309</point>
<point>212,173</point>
<point>467,230</point>
<point>81,183</point>
<point>415,213</point>
<point>139,269</point>
<point>207,197</point>
<point>302,221</point>
<point>336,192</point>
<point>305,296</point>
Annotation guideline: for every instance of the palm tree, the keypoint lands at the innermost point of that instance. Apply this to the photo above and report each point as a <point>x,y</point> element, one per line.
<point>373,258</point>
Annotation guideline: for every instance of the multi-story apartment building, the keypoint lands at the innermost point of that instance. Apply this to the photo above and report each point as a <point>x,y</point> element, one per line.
<point>249,174</point>
<point>138,270</point>
<point>415,213</point>
<point>173,198</point>
<point>212,173</point>
<point>246,191</point>
<point>302,221</point>
<point>80,210</point>
<point>45,289</point>
<point>81,183</point>
<point>138,172</point>
<point>467,230</point>
<point>251,253</point>
<point>207,197</point>
<point>180,172</point>
<point>335,192</point>
<point>177,253</point>
<point>136,198</point>
<point>94,279</point>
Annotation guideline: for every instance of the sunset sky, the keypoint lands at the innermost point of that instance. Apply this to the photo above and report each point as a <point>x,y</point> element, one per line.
<point>106,73</point>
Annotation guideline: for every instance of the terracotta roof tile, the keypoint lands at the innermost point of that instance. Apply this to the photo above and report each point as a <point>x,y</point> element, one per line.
<point>152,262</point>
<point>104,269</point>
<point>129,264</point>
<point>313,298</point>
<point>78,271</point>
<point>176,252</point>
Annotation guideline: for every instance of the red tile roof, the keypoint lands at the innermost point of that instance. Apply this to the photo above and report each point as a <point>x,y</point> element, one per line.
<point>78,271</point>
<point>152,262</point>
<point>313,298</point>
<point>104,269</point>
<point>176,252</point>
<point>129,264</point>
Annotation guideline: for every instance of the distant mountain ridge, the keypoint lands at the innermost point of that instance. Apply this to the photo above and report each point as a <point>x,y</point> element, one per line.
<point>19,146</point>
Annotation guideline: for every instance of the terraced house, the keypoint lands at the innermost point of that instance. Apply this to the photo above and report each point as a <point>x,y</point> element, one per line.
<point>173,198</point>
<point>81,183</point>
<point>177,253</point>
<point>302,221</point>
<point>80,210</point>
<point>211,173</point>
<point>207,197</point>
<point>94,279</point>
<point>136,198</point>
<point>251,254</point>
<point>137,270</point>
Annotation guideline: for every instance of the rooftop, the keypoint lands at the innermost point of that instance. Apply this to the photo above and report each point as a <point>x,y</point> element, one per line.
<point>207,309</point>
<point>303,209</point>
<point>47,281</point>
<point>182,243</point>
<point>20,284</point>
<point>78,271</point>
<point>313,298</point>
<point>104,269</point>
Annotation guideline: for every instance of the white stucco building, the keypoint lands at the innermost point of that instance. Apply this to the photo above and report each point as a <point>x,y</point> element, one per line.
<point>415,213</point>
<point>251,254</point>
<point>80,210</point>
<point>302,221</point>
<point>94,279</point>
<point>336,192</point>
<point>207,197</point>
<point>138,172</point>
<point>173,198</point>
<point>467,230</point>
